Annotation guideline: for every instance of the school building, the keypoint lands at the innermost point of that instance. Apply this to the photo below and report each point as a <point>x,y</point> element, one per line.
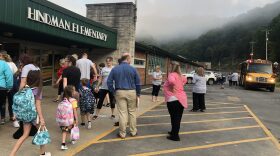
<point>49,32</point>
<point>148,57</point>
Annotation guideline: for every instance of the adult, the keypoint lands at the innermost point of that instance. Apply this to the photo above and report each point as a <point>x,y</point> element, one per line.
<point>127,90</point>
<point>10,62</point>
<point>84,64</point>
<point>199,90</point>
<point>103,91</point>
<point>229,77</point>
<point>157,80</point>
<point>176,99</point>
<point>234,78</point>
<point>71,75</point>
<point>31,76</point>
<point>6,83</point>
<point>59,81</point>
<point>12,92</point>
<point>95,81</point>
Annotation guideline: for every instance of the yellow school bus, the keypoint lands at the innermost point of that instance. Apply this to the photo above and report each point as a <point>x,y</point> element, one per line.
<point>257,74</point>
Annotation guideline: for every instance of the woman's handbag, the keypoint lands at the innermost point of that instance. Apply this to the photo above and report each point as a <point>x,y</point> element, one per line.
<point>42,137</point>
<point>75,133</point>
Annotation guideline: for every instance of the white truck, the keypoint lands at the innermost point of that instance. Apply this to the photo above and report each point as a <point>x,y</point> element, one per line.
<point>210,77</point>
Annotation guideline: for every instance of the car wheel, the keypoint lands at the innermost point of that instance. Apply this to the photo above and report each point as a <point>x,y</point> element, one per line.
<point>210,81</point>
<point>189,80</point>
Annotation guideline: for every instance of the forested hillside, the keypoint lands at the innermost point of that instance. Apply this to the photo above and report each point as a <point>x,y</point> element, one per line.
<point>231,44</point>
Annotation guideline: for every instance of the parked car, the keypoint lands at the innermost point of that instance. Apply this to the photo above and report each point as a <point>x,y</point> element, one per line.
<point>189,76</point>
<point>210,77</point>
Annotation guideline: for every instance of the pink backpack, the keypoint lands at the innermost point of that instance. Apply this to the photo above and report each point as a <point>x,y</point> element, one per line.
<point>64,113</point>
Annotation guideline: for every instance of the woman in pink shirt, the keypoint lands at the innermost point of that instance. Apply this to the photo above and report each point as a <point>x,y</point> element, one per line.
<point>176,99</point>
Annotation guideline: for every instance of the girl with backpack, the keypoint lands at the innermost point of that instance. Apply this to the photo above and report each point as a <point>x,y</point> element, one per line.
<point>67,116</point>
<point>31,82</point>
<point>86,102</point>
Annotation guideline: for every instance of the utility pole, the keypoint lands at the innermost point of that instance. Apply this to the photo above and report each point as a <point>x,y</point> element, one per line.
<point>219,65</point>
<point>252,49</point>
<point>266,41</point>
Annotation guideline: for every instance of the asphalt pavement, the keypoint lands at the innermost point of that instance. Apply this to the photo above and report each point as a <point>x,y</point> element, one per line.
<point>237,122</point>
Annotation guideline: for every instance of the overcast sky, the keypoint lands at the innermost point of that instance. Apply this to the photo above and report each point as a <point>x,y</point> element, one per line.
<point>167,19</point>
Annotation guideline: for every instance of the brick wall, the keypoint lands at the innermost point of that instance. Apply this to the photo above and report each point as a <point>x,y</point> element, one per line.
<point>140,54</point>
<point>141,70</point>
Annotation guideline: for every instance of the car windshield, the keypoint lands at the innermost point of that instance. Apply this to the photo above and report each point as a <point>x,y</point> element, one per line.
<point>208,73</point>
<point>260,68</point>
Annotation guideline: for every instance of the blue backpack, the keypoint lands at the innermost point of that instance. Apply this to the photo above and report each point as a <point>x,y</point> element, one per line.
<point>87,101</point>
<point>24,105</point>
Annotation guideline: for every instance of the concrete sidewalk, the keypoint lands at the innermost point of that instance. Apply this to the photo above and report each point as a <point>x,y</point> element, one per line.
<point>100,127</point>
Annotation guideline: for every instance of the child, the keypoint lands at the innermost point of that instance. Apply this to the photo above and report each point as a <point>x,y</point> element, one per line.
<point>67,116</point>
<point>31,76</point>
<point>86,102</point>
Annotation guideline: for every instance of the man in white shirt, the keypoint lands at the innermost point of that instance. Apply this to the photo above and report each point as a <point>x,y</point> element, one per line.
<point>84,64</point>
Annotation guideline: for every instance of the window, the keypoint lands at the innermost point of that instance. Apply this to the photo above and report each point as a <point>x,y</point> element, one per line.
<point>139,62</point>
<point>156,61</point>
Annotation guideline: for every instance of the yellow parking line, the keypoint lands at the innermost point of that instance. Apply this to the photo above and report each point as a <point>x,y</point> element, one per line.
<point>267,132</point>
<point>93,141</point>
<point>181,133</point>
<point>195,114</point>
<point>158,110</point>
<point>216,104</point>
<point>201,147</point>
<point>199,121</point>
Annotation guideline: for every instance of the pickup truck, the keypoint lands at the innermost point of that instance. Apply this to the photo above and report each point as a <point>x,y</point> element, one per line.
<point>210,77</point>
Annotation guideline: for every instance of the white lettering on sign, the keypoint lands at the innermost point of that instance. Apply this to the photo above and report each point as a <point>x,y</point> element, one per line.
<point>45,18</point>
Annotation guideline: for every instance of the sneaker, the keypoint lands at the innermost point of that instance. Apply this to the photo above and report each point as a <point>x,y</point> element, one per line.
<point>16,124</point>
<point>113,116</point>
<point>64,147</point>
<point>2,122</point>
<point>89,125</point>
<point>46,154</point>
<point>73,142</point>
<point>173,138</point>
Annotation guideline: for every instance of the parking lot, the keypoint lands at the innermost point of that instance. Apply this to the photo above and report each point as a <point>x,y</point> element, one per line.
<point>228,127</point>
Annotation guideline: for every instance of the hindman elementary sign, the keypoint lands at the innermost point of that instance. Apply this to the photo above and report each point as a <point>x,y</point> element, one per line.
<point>45,18</point>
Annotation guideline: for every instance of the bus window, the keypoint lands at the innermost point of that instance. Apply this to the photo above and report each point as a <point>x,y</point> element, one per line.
<point>260,68</point>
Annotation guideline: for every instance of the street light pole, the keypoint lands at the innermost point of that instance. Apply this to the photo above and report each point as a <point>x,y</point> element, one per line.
<point>266,39</point>
<point>252,48</point>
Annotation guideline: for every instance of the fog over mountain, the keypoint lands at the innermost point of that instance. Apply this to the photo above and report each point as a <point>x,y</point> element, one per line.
<point>230,44</point>
<point>191,19</point>
<point>168,20</point>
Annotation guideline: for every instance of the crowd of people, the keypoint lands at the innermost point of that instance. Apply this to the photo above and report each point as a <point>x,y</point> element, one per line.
<point>82,87</point>
<point>233,79</point>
